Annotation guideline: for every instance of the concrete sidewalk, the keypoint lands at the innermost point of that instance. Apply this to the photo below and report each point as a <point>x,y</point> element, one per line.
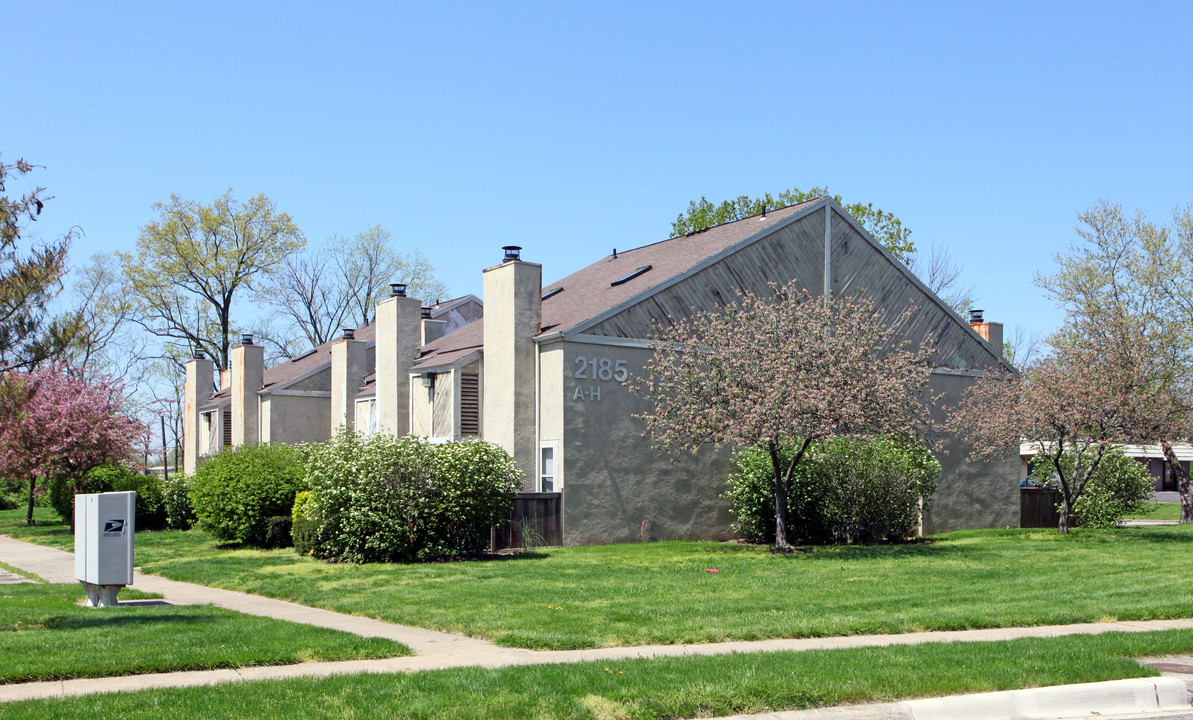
<point>57,566</point>
<point>437,650</point>
<point>1116,698</point>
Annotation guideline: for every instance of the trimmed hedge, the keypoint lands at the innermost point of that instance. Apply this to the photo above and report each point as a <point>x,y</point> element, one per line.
<point>237,492</point>
<point>391,499</point>
<point>845,490</point>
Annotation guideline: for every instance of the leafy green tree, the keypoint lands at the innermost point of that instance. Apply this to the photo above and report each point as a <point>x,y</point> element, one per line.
<point>193,261</point>
<point>28,281</point>
<point>884,226</point>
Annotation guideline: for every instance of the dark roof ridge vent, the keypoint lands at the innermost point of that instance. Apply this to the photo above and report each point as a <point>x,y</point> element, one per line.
<point>305,355</point>
<point>640,271</point>
<point>552,293</point>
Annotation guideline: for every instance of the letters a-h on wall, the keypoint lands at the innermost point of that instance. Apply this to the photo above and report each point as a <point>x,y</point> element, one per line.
<point>593,394</point>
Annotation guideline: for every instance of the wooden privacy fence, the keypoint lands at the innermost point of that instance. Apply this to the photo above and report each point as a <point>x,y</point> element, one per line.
<point>1037,507</point>
<point>536,520</point>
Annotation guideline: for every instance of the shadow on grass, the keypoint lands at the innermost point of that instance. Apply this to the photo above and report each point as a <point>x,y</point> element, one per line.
<point>111,622</point>
<point>145,603</point>
<point>504,557</point>
<point>1154,533</point>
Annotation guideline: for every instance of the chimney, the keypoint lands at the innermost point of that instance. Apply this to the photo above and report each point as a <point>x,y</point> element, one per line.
<point>196,390</point>
<point>348,369</point>
<point>248,374</point>
<point>432,329</point>
<point>513,312</point>
<point>399,336</point>
<point>990,332</point>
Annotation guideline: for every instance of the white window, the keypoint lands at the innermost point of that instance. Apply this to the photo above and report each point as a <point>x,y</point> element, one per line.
<point>210,434</point>
<point>366,417</point>
<point>549,479</point>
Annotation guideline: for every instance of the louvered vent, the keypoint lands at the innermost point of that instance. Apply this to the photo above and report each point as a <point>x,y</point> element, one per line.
<point>228,427</point>
<point>470,405</point>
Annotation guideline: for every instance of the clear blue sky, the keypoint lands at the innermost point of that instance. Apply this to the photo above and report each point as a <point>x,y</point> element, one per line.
<point>572,129</point>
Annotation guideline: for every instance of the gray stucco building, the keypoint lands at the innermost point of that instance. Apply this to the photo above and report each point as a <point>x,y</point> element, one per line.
<point>541,373</point>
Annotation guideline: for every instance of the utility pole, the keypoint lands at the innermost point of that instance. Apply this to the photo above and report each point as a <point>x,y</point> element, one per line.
<point>165,457</point>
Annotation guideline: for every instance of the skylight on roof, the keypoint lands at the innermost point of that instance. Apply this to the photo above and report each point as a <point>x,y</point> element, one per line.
<point>553,293</point>
<point>640,271</point>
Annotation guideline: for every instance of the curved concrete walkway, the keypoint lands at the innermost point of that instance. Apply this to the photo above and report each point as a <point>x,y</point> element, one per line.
<point>437,650</point>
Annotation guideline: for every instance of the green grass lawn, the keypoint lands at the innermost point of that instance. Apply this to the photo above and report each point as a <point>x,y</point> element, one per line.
<point>662,593</point>
<point>46,635</point>
<point>1163,511</point>
<point>663,688</point>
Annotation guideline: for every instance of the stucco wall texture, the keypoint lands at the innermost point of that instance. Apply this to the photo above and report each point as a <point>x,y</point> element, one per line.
<point>619,488</point>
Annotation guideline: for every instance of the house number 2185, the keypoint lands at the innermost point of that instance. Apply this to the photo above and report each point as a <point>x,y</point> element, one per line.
<point>601,369</point>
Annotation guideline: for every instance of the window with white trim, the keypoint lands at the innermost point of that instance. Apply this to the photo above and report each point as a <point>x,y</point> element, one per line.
<point>549,479</point>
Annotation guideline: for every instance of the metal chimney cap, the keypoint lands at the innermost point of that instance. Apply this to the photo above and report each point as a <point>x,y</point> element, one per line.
<point>246,339</point>
<point>426,313</point>
<point>975,316</point>
<point>199,354</point>
<point>512,252</point>
<point>349,334</point>
<point>397,289</point>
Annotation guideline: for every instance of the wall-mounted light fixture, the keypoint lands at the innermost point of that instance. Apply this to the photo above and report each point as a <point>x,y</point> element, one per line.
<point>428,379</point>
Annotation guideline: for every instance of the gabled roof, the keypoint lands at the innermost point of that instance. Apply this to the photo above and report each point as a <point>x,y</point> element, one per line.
<point>613,280</point>
<point>297,368</point>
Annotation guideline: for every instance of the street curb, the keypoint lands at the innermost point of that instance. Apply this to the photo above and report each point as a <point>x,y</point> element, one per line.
<point>1089,700</point>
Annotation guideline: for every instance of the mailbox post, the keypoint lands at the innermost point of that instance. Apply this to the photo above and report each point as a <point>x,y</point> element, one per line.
<point>104,527</point>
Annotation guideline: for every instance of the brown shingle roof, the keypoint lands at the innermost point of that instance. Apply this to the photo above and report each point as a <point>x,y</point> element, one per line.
<point>310,362</point>
<point>590,292</point>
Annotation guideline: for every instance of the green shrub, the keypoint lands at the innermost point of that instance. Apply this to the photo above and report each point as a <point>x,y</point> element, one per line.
<point>875,488</point>
<point>151,499</point>
<point>474,486</point>
<point>235,492</point>
<point>391,499</point>
<point>180,515</point>
<point>61,491</point>
<point>845,490</point>
<point>277,532</point>
<point>112,477</point>
<point>1121,486</point>
<point>304,523</point>
<point>13,493</point>
<point>751,497</point>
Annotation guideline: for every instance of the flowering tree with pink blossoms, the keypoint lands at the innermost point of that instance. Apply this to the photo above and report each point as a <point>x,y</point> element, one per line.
<point>58,423</point>
<point>1094,393</point>
<point>785,367</point>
